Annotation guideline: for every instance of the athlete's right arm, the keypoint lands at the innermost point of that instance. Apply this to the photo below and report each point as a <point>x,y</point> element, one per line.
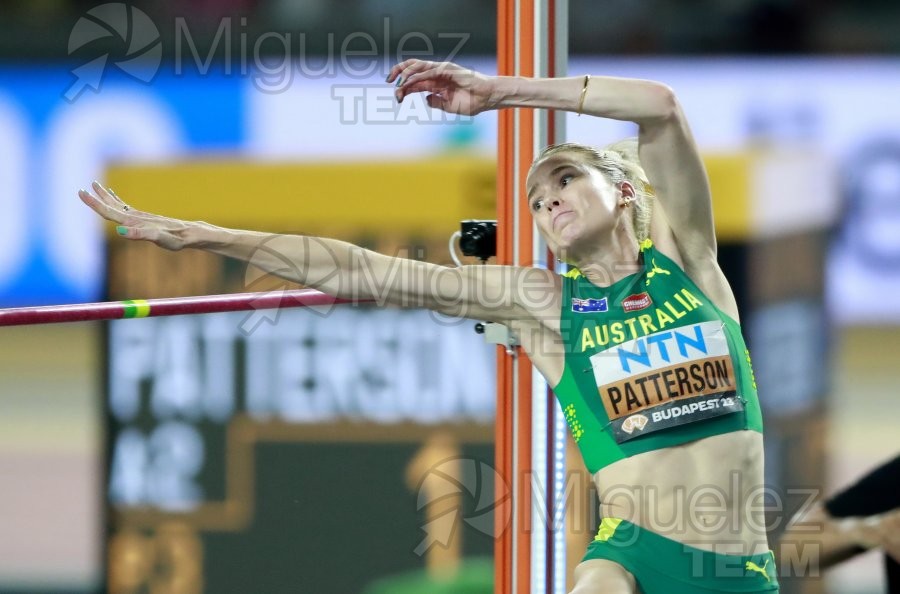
<point>351,272</point>
<point>491,293</point>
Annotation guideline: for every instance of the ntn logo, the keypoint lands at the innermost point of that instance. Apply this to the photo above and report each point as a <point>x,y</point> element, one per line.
<point>655,348</point>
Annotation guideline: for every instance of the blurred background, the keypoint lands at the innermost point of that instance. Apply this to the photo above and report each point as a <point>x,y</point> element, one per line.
<point>246,453</point>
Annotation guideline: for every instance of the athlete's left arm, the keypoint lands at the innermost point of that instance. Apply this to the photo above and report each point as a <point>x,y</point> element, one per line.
<point>667,149</point>
<point>671,159</point>
<point>669,156</point>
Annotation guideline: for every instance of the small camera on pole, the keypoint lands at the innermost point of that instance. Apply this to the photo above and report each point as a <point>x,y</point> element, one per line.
<point>478,239</point>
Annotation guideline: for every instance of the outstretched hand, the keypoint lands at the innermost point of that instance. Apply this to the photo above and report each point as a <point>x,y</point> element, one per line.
<point>135,224</point>
<point>451,88</point>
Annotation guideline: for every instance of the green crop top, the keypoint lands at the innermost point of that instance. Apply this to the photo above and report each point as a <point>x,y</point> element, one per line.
<point>650,363</point>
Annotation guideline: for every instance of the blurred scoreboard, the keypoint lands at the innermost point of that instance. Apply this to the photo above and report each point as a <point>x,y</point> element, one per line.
<point>299,450</point>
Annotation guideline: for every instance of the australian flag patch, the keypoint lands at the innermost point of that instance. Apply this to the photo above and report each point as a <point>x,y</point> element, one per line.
<point>590,305</point>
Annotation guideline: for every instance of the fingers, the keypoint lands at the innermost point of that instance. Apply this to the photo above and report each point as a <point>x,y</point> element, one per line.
<point>134,232</point>
<point>432,81</point>
<point>418,66</point>
<point>105,203</point>
<point>443,70</point>
<point>151,234</point>
<point>402,67</point>
<point>130,223</point>
<point>107,196</point>
<point>424,86</point>
<point>118,203</point>
<point>414,69</point>
<point>430,84</point>
<point>106,193</point>
<point>412,73</point>
<point>111,199</point>
<point>101,207</point>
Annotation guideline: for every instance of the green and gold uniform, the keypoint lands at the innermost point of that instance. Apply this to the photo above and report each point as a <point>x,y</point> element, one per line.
<point>652,363</point>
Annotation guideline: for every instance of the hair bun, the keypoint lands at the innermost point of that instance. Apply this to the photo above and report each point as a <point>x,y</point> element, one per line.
<point>626,149</point>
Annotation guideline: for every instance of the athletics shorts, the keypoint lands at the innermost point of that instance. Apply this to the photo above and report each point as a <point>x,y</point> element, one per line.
<point>663,566</point>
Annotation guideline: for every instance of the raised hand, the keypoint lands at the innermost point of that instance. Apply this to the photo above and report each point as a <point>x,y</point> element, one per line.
<point>451,88</point>
<point>135,224</point>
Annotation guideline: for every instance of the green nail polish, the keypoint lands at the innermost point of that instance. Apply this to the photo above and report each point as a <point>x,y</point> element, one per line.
<point>121,230</point>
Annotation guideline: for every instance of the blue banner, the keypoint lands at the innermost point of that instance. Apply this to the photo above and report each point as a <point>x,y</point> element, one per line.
<point>59,135</point>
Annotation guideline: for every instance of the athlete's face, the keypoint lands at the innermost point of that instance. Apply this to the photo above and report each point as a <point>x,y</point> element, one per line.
<point>572,202</point>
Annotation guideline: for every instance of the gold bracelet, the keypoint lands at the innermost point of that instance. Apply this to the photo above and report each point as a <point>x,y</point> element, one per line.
<point>587,77</point>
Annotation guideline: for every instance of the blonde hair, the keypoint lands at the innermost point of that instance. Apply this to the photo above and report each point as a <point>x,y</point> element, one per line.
<point>619,163</point>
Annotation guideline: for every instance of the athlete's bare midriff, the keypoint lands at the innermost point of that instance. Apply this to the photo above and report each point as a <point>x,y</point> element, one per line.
<point>707,494</point>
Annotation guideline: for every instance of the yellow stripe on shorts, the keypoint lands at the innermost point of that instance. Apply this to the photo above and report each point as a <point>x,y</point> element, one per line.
<point>607,529</point>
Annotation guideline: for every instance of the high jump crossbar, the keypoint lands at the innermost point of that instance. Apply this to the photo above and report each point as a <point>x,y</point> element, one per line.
<point>147,308</point>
